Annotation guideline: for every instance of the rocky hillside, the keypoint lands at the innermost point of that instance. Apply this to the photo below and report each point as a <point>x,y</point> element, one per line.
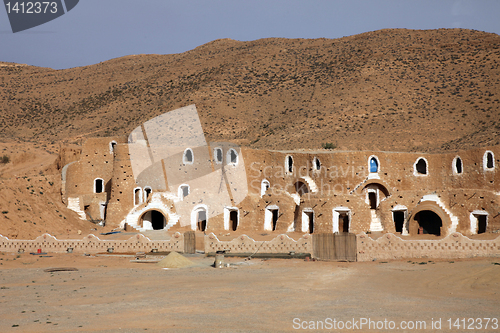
<point>400,90</point>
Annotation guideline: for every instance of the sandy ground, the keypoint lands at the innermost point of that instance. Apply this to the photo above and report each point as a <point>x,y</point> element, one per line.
<point>111,294</point>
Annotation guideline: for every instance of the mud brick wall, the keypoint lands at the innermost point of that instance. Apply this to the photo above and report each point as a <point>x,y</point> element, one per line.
<point>454,246</point>
<point>245,244</point>
<point>342,179</point>
<point>92,244</point>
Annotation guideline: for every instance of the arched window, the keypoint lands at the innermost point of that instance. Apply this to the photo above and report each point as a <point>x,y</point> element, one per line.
<point>373,164</point>
<point>457,166</point>
<point>147,193</point>
<point>316,164</point>
<point>420,167</point>
<point>488,160</point>
<point>183,191</point>
<point>289,164</point>
<point>264,186</point>
<point>218,155</point>
<point>137,196</point>
<point>188,156</point>
<point>232,156</point>
<point>112,146</point>
<point>98,185</point>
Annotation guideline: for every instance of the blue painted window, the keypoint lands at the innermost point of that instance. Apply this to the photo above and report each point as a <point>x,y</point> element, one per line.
<point>373,165</point>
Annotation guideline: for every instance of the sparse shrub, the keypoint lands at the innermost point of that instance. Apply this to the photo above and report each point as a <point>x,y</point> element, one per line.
<point>5,159</point>
<point>328,145</point>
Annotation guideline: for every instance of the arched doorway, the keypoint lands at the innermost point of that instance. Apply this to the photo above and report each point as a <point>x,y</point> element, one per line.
<point>375,193</point>
<point>308,220</point>
<point>199,218</point>
<point>271,218</point>
<point>301,188</point>
<point>153,220</point>
<point>341,220</point>
<point>400,219</point>
<point>231,218</point>
<point>427,222</point>
<point>202,220</point>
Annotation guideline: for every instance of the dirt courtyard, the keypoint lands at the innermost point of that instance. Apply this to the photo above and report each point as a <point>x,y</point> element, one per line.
<point>109,294</point>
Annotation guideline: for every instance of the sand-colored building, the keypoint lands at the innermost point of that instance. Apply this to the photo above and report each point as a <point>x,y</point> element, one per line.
<point>193,185</point>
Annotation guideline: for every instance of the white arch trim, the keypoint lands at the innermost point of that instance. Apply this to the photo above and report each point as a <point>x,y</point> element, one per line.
<point>180,191</point>
<point>140,196</point>
<point>454,165</point>
<point>305,219</point>
<point>335,217</point>
<point>264,186</point>
<point>146,193</point>
<point>227,211</point>
<point>184,157</point>
<point>111,146</point>
<point>194,214</point>
<point>378,163</point>
<point>474,221</point>
<point>268,217</point>
<point>404,209</point>
<point>485,160</point>
<point>415,172</point>
<point>217,149</point>
<point>228,157</point>
<point>95,183</point>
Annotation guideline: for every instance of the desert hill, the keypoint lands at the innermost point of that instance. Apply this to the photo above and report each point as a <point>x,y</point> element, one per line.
<point>401,90</point>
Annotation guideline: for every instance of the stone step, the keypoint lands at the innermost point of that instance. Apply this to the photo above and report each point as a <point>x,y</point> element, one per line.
<point>74,205</point>
<point>376,224</point>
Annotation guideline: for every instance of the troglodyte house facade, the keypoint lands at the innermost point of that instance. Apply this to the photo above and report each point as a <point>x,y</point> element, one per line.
<point>165,176</point>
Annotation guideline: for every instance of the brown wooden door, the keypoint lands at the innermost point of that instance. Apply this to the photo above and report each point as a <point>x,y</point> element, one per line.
<point>338,246</point>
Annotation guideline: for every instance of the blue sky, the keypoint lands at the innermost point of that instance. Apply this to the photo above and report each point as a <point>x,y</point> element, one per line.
<point>99,30</point>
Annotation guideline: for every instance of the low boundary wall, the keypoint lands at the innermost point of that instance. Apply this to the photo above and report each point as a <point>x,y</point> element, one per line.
<point>386,247</point>
<point>245,244</point>
<point>92,244</point>
<point>453,246</point>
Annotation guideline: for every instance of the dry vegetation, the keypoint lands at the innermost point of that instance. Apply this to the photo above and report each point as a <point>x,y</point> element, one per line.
<point>386,90</point>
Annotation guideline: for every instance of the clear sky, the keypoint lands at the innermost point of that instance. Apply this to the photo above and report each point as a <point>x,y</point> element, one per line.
<point>99,30</point>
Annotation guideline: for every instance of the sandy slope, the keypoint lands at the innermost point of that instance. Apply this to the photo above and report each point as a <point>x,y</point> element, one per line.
<point>30,194</point>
